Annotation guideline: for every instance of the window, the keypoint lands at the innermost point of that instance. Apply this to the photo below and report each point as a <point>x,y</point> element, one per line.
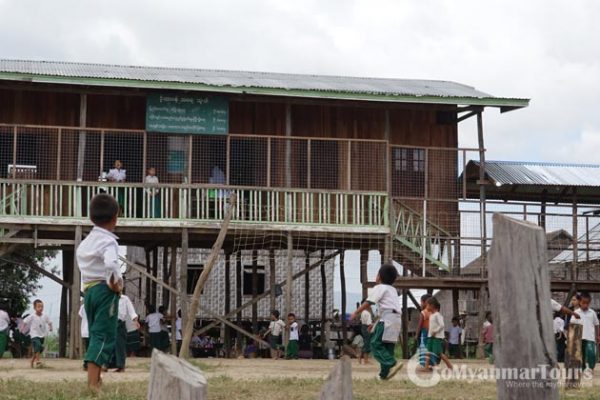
<point>408,176</point>
<point>193,274</point>
<point>260,287</point>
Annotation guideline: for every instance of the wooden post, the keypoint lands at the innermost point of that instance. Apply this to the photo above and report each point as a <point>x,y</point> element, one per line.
<point>155,274</point>
<point>455,310</point>
<point>212,258</point>
<point>573,357</point>
<point>63,331</point>
<point>227,301</point>
<point>238,299</point>
<point>75,336</point>
<point>272,279</point>
<point>520,298</point>
<point>404,320</point>
<point>323,303</point>
<point>307,290</point>
<point>338,385</point>
<point>289,283</point>
<point>483,303</point>
<point>166,300</point>
<point>183,278</point>
<point>254,291</point>
<point>344,298</point>
<point>172,296</point>
<point>148,282</point>
<point>173,378</point>
<point>82,135</point>
<point>364,275</point>
<point>482,205</point>
<point>575,239</point>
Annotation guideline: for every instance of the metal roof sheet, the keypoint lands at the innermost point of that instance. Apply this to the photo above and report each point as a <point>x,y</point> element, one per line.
<point>592,254</point>
<point>429,91</point>
<point>542,174</point>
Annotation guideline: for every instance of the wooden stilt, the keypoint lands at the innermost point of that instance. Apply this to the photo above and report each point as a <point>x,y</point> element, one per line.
<point>405,352</point>
<point>323,303</point>
<point>148,282</point>
<point>238,299</point>
<point>289,282</point>
<point>172,274</point>
<point>63,323</point>
<point>455,310</point>
<point>307,290</point>
<point>155,274</point>
<point>364,276</point>
<point>344,298</point>
<point>75,336</point>
<point>227,338</point>
<point>272,278</point>
<point>183,278</point>
<point>254,290</point>
<point>166,299</point>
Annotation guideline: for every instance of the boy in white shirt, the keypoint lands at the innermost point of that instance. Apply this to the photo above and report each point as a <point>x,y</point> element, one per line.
<point>4,328</point>
<point>275,331</point>
<point>154,320</point>
<point>292,347</point>
<point>38,330</point>
<point>454,339</point>
<point>366,323</point>
<point>591,332</point>
<point>386,332</point>
<point>435,339</point>
<point>98,260</point>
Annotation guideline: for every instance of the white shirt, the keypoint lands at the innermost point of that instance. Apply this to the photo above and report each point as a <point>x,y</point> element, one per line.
<point>589,320</point>
<point>178,329</point>
<point>85,331</point>
<point>559,325</point>
<point>556,306</point>
<point>98,257</point>
<point>276,327</point>
<point>4,320</point>
<point>386,298</point>
<point>116,175</point>
<point>366,318</point>
<point>126,310</point>
<point>38,325</point>
<point>294,331</point>
<point>153,321</point>
<point>454,334</point>
<point>436,325</point>
<point>152,180</point>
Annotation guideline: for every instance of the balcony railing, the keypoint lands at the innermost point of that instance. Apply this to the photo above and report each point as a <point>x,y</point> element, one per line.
<point>19,198</point>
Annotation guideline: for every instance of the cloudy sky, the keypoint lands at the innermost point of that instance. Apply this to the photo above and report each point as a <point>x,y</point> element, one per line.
<point>546,50</point>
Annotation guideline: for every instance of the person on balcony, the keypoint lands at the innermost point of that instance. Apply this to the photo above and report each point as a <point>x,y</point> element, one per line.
<point>118,175</point>
<point>153,193</point>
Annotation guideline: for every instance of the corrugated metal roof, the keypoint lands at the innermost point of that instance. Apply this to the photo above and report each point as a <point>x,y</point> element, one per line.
<point>119,75</point>
<point>542,174</point>
<point>593,254</point>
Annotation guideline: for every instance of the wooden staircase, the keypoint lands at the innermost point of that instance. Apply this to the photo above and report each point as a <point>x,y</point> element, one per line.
<point>418,241</point>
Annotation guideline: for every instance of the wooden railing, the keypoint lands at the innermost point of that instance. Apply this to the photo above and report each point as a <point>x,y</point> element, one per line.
<point>195,202</point>
<point>428,246</point>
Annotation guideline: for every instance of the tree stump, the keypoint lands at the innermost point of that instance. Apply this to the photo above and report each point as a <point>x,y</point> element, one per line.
<point>175,378</point>
<point>519,286</point>
<point>339,383</point>
<point>573,357</point>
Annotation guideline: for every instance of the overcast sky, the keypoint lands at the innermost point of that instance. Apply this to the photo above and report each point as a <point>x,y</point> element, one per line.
<point>546,50</point>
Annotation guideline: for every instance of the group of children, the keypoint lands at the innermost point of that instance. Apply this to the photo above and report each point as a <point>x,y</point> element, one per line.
<point>275,333</point>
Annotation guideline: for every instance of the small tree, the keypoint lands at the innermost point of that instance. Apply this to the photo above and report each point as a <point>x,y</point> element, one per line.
<point>19,281</point>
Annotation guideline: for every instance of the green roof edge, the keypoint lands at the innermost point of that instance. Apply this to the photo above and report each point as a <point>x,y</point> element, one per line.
<point>320,94</point>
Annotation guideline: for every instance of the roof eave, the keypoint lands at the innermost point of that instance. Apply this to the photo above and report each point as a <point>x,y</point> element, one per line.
<point>505,104</point>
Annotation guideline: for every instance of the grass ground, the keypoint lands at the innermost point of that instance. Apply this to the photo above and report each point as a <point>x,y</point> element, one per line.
<point>234,379</point>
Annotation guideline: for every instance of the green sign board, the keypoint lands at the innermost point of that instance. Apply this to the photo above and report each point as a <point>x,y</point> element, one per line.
<point>189,114</point>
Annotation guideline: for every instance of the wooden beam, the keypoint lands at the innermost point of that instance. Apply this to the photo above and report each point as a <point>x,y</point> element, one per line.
<point>172,295</point>
<point>148,275</point>
<point>75,336</point>
<point>82,135</point>
<point>212,259</point>
<point>183,278</point>
<point>254,291</point>
<point>323,302</point>
<point>234,326</point>
<point>289,281</point>
<point>272,279</point>
<point>307,290</point>
<point>344,298</point>
<point>227,300</point>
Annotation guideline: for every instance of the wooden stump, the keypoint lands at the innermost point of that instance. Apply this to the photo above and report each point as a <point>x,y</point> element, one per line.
<point>573,357</point>
<point>519,288</point>
<point>339,383</point>
<point>175,378</point>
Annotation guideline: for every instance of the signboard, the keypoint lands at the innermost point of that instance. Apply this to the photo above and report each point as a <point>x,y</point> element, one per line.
<point>189,114</point>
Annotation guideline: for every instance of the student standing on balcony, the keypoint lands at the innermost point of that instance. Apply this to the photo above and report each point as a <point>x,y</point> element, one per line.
<point>153,194</point>
<point>118,175</point>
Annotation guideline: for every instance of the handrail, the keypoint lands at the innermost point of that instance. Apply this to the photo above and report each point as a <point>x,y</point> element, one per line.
<point>429,223</point>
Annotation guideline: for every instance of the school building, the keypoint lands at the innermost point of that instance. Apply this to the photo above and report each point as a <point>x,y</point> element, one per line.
<point>319,165</point>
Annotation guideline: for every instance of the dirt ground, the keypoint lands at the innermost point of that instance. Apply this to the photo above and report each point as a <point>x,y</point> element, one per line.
<point>247,379</point>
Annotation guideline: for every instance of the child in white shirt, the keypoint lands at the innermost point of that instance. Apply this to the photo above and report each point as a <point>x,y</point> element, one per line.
<point>38,330</point>
<point>275,330</point>
<point>387,330</point>
<point>591,332</point>
<point>292,347</point>
<point>4,328</point>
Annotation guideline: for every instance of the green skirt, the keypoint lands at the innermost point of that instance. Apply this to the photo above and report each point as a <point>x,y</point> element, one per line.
<point>435,347</point>
<point>133,342</point>
<point>38,344</point>
<point>101,307</point>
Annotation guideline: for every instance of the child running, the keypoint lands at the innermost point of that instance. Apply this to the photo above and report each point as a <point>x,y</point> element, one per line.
<point>387,330</point>
<point>38,324</point>
<point>292,347</point>
<point>423,328</point>
<point>436,335</point>
<point>98,260</point>
<point>591,331</point>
